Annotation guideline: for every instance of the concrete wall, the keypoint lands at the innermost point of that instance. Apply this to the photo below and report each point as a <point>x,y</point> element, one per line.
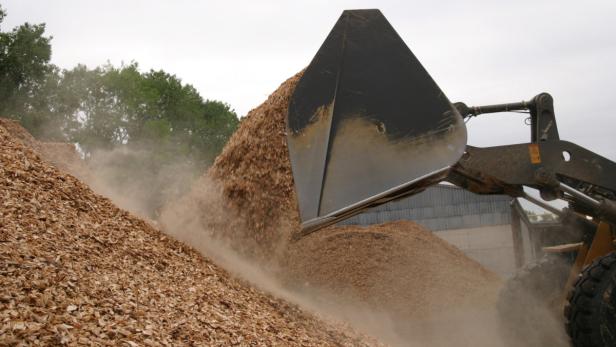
<point>492,246</point>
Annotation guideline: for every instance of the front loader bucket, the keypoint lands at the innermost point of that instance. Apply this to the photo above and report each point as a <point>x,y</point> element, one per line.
<point>366,123</point>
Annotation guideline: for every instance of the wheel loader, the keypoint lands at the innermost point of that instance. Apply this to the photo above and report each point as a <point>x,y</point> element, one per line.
<point>367,124</point>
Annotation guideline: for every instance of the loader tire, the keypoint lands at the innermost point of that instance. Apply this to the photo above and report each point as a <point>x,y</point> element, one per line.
<point>529,314</point>
<point>591,305</point>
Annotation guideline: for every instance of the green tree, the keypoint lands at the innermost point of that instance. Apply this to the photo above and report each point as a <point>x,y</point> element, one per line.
<point>87,99</point>
<point>24,73</point>
<point>121,106</point>
<point>151,122</point>
<point>2,15</point>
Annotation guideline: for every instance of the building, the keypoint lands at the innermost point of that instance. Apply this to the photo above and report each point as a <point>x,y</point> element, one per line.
<point>479,225</point>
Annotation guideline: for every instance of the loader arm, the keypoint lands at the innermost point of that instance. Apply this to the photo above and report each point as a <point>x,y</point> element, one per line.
<point>557,168</point>
<point>367,124</point>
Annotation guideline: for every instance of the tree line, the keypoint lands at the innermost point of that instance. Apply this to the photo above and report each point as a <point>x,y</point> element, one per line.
<point>147,134</point>
<point>107,106</point>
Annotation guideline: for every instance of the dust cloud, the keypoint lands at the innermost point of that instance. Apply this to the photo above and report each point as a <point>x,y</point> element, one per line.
<point>135,182</point>
<point>201,218</point>
<point>195,211</point>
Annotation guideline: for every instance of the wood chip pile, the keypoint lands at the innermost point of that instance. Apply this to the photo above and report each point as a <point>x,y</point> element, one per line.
<point>65,157</point>
<point>62,155</point>
<point>19,133</point>
<point>255,172</point>
<point>75,269</point>
<point>398,267</point>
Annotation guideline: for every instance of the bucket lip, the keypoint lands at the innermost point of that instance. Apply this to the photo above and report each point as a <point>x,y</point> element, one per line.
<point>402,190</point>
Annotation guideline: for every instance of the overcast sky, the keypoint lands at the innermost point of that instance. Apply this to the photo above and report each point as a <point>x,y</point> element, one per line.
<point>480,52</point>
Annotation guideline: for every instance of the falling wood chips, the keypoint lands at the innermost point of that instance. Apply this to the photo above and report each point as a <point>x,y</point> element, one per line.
<point>75,269</point>
<point>400,268</point>
<point>255,173</point>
